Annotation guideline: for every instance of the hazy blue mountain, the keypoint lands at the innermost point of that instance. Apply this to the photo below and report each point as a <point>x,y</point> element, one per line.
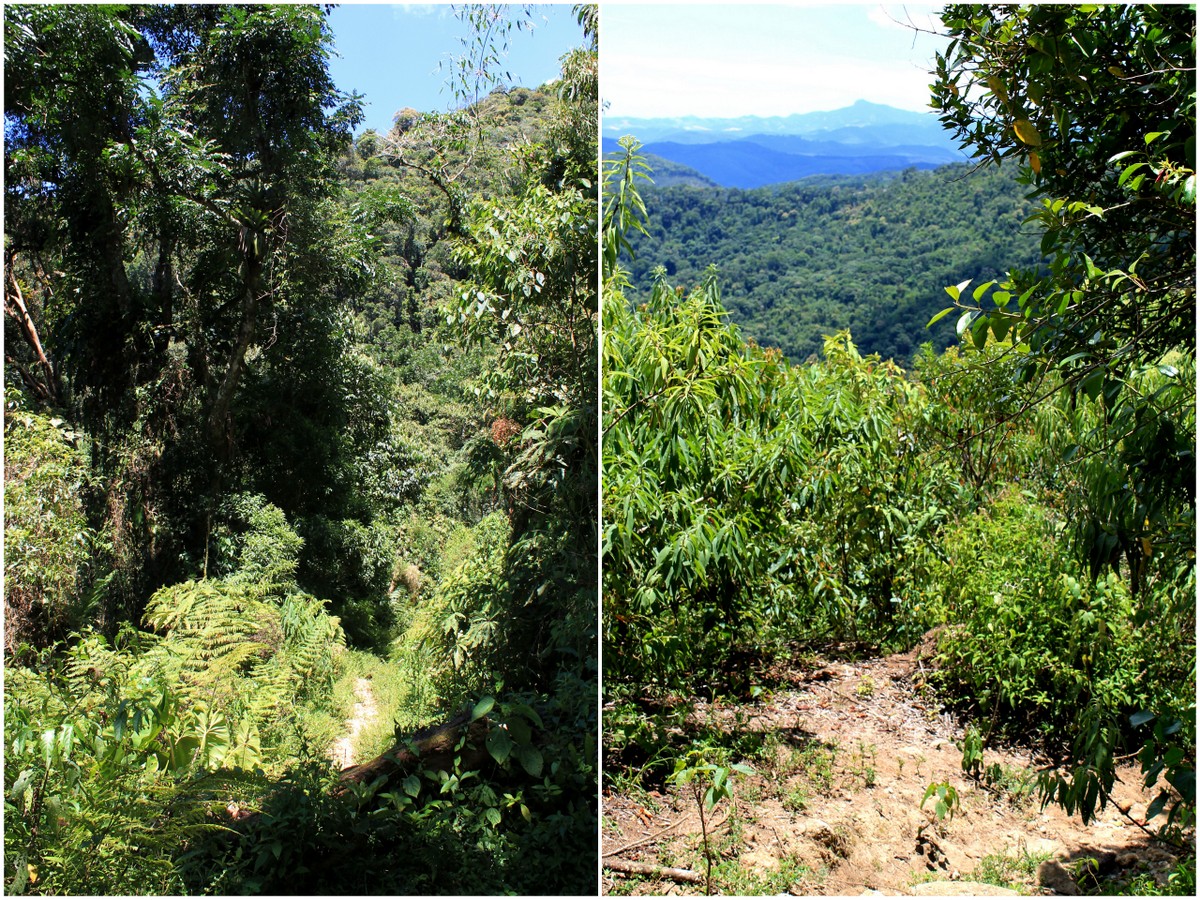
<point>748,164</point>
<point>753,151</point>
<point>873,120</point>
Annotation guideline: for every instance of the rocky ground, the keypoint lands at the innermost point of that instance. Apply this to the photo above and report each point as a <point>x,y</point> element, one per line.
<point>835,806</point>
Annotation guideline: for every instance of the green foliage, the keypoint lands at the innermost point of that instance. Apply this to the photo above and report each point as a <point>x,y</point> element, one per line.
<point>1093,100</point>
<point>46,534</point>
<point>709,784</point>
<point>1033,632</point>
<point>174,239</point>
<point>804,260</point>
<point>461,624</point>
<point>1113,318</point>
<point>697,472</point>
<point>1110,323</point>
<point>1040,642</point>
<point>746,501</point>
<point>275,409</point>
<point>976,419</point>
<point>872,502</point>
<point>108,776</point>
<point>1180,882</point>
<point>624,209</point>
<point>947,799</point>
<point>433,832</point>
<point>1012,872</point>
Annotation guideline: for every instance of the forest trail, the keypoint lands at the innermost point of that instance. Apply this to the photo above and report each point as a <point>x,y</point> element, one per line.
<point>364,713</point>
<point>834,806</point>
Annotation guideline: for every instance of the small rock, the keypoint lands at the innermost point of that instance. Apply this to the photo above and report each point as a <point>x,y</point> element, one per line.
<point>1124,808</point>
<point>760,860</point>
<point>1053,875</point>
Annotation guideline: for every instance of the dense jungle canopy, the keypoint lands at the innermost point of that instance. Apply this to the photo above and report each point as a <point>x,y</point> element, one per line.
<point>1024,499</point>
<point>289,413</point>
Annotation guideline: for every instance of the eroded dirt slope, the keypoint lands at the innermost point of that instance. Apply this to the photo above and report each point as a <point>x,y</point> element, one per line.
<point>834,806</point>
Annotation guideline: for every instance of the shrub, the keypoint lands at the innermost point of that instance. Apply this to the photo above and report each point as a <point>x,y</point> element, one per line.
<point>46,535</point>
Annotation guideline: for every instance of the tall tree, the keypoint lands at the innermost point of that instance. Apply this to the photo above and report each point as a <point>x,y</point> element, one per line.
<point>1097,103</point>
<point>167,169</point>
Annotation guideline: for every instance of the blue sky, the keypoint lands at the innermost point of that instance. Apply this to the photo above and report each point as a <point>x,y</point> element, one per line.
<point>724,60</point>
<point>391,53</point>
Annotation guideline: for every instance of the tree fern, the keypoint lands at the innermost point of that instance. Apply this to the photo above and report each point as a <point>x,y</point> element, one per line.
<point>100,797</point>
<point>214,627</point>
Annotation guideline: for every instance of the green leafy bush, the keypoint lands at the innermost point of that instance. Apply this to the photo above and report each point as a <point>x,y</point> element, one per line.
<point>46,534</point>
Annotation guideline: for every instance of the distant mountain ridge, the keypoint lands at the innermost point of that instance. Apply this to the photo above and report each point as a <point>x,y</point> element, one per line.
<point>876,118</point>
<point>753,151</point>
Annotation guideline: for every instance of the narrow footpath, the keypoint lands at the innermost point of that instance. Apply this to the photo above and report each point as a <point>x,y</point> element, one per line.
<point>364,713</point>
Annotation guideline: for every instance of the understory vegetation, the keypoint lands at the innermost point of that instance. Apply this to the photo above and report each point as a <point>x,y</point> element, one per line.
<point>284,412</point>
<point>1029,492</point>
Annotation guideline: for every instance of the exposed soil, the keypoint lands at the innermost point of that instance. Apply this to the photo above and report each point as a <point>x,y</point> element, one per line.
<point>838,808</point>
<point>364,713</point>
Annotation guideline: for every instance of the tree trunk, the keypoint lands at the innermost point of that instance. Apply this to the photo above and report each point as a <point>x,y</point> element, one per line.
<point>435,748</point>
<point>218,416</point>
<point>15,304</point>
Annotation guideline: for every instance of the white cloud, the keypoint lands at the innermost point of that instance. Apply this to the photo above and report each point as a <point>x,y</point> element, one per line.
<point>763,87</point>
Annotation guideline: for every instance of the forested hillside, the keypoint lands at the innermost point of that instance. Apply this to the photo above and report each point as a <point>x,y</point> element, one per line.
<point>996,539</point>
<point>804,260</point>
<point>300,465</point>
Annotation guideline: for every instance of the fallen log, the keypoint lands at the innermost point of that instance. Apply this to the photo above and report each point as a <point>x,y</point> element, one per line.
<point>434,748</point>
<point>638,868</point>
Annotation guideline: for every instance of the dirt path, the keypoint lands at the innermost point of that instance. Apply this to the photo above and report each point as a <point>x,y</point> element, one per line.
<point>363,714</point>
<point>835,804</point>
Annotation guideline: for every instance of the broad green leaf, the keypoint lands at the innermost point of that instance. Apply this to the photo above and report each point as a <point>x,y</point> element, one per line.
<point>482,708</point>
<point>955,291</point>
<point>964,322</point>
<point>981,290</point>
<point>1128,172</point>
<point>499,745</point>
<point>530,759</point>
<point>1157,806</point>
<point>939,316</point>
<point>979,332</point>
